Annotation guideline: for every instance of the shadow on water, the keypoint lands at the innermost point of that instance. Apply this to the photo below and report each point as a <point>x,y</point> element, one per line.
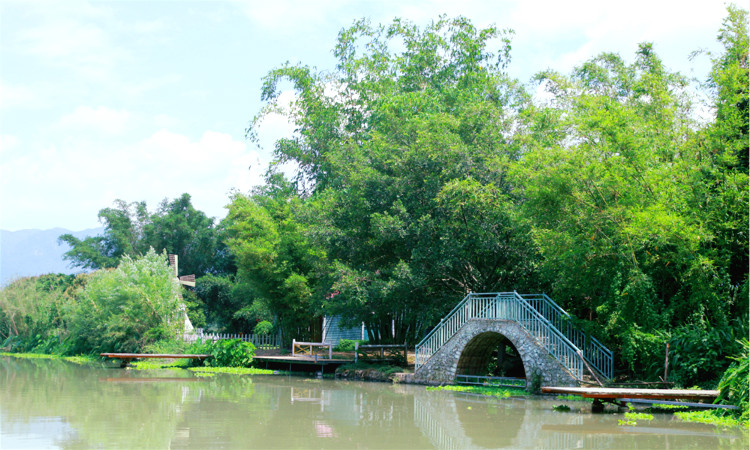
<point>56,404</point>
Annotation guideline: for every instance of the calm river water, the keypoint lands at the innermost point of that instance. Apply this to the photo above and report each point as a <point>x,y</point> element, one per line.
<point>56,404</point>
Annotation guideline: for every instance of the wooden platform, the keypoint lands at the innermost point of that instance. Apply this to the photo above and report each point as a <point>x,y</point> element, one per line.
<point>618,393</point>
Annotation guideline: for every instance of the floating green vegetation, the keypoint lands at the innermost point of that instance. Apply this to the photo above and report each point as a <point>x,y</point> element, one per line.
<point>632,418</point>
<point>30,355</point>
<point>80,359</point>
<point>561,408</point>
<point>154,365</point>
<point>711,418</point>
<point>204,374</point>
<point>638,416</point>
<point>501,392</point>
<point>236,370</point>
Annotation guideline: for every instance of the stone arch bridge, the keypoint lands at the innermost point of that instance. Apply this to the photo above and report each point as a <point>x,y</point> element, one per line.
<point>547,341</point>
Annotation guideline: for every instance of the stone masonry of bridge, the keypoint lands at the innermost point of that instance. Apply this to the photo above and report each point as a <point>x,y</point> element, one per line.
<point>472,345</point>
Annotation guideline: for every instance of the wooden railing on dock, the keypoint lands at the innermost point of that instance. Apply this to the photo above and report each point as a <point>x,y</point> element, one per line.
<point>308,348</point>
<point>397,353</point>
<point>477,380</point>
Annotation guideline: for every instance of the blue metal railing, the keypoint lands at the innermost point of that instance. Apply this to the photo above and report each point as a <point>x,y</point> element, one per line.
<point>596,354</point>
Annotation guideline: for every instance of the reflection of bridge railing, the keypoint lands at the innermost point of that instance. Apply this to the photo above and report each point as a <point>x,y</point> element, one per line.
<point>478,380</point>
<point>533,318</point>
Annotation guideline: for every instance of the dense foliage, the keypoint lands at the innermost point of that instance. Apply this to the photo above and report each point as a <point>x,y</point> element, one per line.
<point>33,312</point>
<point>425,173</point>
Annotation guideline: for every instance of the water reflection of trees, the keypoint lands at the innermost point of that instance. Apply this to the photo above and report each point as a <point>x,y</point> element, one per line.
<point>35,389</point>
<point>460,421</point>
<point>113,408</point>
<point>312,414</point>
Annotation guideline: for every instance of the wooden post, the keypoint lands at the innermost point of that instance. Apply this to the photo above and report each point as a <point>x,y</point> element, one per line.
<point>330,351</point>
<point>294,345</point>
<point>666,363</point>
<point>356,351</point>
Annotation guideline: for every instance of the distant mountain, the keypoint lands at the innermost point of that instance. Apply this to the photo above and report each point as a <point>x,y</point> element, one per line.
<point>35,252</point>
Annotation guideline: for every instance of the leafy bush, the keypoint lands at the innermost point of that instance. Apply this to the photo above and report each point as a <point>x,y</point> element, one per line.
<point>733,387</point>
<point>127,308</point>
<point>263,328</point>
<point>698,354</point>
<point>225,352</point>
<point>346,345</point>
<point>33,309</point>
<point>643,353</point>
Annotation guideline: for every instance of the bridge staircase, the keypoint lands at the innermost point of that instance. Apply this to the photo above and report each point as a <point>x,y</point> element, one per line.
<point>551,327</point>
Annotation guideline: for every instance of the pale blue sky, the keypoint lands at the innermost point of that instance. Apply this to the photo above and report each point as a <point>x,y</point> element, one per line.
<point>147,100</point>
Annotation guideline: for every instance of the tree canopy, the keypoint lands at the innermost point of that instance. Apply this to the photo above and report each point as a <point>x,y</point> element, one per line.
<point>425,173</point>
<point>130,230</point>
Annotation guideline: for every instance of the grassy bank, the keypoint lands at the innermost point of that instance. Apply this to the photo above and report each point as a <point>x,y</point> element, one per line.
<point>80,359</point>
<point>153,364</point>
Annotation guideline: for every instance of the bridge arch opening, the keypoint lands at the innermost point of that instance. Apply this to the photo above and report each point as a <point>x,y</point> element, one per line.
<point>491,354</point>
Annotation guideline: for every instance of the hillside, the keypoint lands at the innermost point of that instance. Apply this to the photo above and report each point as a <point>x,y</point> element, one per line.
<point>35,252</point>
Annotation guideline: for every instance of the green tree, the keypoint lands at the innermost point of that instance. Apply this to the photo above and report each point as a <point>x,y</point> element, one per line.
<point>274,258</point>
<point>178,228</point>
<point>639,212</point>
<point>123,235</point>
<point>412,121</point>
<point>130,230</point>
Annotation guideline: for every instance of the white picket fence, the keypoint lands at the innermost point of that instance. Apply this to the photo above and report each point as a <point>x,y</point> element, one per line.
<point>265,341</point>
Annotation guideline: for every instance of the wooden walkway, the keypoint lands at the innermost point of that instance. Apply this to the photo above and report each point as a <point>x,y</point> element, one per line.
<point>616,393</point>
<point>623,396</point>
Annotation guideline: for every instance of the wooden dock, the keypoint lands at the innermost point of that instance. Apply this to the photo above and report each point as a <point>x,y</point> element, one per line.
<point>622,396</point>
<point>615,393</point>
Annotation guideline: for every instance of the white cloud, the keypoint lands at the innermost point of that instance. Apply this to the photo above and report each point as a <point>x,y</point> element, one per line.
<point>100,119</point>
<point>291,16</point>
<point>85,48</point>
<point>14,95</point>
<point>8,143</point>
